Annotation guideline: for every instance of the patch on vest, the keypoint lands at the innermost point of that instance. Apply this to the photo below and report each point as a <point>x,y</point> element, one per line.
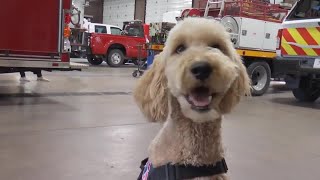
<point>146,170</point>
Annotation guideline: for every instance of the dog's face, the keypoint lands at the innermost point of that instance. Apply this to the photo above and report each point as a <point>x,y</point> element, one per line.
<point>200,68</point>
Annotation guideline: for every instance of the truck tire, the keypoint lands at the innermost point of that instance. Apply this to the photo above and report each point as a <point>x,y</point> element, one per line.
<point>306,92</point>
<point>115,58</point>
<point>260,75</point>
<point>94,60</point>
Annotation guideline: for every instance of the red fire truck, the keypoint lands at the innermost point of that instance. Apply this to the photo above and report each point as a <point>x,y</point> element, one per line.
<point>35,36</point>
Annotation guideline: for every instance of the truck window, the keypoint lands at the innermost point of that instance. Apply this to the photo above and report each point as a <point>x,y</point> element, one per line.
<point>134,30</point>
<point>305,9</point>
<point>100,29</point>
<point>115,31</point>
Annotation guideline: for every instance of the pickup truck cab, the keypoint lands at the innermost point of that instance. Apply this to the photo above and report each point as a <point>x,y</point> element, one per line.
<point>104,28</point>
<point>298,53</point>
<point>115,49</point>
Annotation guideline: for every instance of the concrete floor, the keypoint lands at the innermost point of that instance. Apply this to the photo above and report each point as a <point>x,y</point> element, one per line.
<point>85,126</point>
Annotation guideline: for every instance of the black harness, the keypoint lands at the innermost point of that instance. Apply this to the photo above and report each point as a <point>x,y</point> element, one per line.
<point>179,172</point>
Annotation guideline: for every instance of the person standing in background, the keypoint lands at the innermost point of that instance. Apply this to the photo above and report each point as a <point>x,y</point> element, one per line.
<point>23,77</point>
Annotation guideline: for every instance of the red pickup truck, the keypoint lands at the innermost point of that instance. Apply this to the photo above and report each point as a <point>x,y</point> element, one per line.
<point>117,49</point>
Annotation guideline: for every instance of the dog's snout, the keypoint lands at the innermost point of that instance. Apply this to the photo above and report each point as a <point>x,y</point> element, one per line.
<point>201,70</point>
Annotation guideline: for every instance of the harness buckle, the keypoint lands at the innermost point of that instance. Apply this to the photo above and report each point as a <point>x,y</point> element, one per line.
<point>171,171</point>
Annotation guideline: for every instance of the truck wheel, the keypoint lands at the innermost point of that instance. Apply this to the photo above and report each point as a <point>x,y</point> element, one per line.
<point>94,60</point>
<point>260,75</point>
<point>306,92</point>
<point>115,58</point>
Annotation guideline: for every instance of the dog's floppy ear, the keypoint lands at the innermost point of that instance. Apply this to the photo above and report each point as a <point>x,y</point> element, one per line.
<point>151,92</point>
<point>240,87</point>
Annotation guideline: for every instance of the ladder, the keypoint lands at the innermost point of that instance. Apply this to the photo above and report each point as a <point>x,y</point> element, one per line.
<point>211,2</point>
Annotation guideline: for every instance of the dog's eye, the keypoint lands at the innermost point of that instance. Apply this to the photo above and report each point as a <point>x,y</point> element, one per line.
<point>216,46</point>
<point>180,49</point>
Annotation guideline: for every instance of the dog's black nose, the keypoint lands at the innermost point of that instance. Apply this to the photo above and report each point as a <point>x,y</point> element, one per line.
<point>201,70</point>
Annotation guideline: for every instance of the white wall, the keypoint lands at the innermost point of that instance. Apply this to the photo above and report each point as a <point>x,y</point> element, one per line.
<point>171,16</point>
<point>115,12</point>
<point>156,8</point>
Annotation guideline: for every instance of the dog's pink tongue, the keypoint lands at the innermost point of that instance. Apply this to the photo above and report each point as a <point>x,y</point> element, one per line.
<point>200,101</point>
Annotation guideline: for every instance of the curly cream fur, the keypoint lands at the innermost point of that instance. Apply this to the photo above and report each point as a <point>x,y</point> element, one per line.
<point>187,136</point>
<point>151,91</point>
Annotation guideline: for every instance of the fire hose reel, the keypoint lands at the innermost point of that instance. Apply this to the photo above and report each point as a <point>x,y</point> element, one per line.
<point>75,16</point>
<point>232,27</point>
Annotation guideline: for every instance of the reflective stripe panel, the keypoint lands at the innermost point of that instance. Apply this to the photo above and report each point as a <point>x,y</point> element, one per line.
<point>288,50</point>
<point>301,41</point>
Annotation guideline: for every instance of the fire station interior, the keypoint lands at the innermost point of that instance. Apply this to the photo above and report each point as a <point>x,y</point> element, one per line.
<point>74,114</point>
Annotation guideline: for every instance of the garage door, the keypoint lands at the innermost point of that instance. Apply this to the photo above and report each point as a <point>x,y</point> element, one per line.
<point>117,11</point>
<point>156,8</point>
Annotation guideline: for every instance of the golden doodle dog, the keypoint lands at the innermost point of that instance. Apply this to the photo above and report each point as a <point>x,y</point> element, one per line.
<point>197,79</point>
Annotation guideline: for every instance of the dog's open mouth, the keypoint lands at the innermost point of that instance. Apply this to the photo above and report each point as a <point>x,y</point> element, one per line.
<point>200,99</point>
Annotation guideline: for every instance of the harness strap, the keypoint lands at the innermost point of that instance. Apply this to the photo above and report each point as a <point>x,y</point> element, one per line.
<point>179,172</point>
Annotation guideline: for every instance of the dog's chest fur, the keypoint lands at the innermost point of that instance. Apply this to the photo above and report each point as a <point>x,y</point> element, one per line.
<point>181,141</point>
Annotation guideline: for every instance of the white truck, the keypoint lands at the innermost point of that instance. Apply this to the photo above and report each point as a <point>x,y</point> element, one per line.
<point>298,50</point>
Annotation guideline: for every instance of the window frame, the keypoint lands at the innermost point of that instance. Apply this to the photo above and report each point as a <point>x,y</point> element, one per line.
<point>99,26</point>
<point>291,16</point>
<point>111,28</point>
